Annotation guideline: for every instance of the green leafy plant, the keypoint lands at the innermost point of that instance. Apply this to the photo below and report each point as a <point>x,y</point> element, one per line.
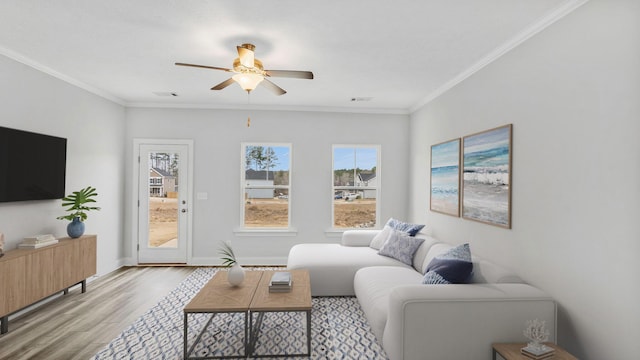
<point>228,257</point>
<point>77,203</point>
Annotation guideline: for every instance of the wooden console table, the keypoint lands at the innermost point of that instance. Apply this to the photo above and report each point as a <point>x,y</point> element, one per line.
<point>30,275</point>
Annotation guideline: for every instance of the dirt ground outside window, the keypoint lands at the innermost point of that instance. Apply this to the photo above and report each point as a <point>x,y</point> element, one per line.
<point>163,216</point>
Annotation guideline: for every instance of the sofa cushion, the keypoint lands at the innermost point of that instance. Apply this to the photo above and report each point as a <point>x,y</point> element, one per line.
<point>423,250</point>
<point>411,229</point>
<point>488,272</point>
<point>452,267</point>
<point>400,246</point>
<point>332,266</point>
<point>373,285</point>
<point>360,237</point>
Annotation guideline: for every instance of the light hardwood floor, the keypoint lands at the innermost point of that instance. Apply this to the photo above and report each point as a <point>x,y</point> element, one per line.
<point>77,326</point>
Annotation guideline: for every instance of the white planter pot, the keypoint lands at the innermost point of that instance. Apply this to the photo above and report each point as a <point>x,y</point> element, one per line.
<point>235,276</point>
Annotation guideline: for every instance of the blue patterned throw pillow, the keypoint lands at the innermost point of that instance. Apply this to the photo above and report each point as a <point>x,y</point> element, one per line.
<point>411,229</point>
<point>400,246</point>
<point>452,267</point>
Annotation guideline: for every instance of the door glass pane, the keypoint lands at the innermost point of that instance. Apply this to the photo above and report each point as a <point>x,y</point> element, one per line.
<point>355,187</point>
<point>163,200</point>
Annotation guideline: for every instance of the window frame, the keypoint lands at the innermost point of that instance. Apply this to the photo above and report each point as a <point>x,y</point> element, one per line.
<point>378,187</point>
<point>243,188</point>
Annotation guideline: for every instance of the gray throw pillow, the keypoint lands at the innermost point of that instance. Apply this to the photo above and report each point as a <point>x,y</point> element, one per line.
<point>400,246</point>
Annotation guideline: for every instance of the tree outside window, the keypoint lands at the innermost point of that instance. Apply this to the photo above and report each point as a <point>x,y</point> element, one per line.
<point>265,185</point>
<point>355,186</point>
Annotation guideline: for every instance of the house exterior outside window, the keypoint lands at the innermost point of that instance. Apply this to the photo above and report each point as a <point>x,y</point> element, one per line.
<point>265,183</point>
<point>356,186</point>
<point>161,182</point>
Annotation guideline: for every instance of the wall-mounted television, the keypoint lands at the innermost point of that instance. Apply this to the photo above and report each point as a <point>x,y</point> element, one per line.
<point>32,166</point>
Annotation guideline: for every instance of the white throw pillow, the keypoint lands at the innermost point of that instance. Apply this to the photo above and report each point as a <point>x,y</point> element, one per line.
<point>380,238</point>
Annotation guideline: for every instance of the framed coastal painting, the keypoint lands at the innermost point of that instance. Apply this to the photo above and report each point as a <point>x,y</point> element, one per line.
<point>445,178</point>
<point>486,179</point>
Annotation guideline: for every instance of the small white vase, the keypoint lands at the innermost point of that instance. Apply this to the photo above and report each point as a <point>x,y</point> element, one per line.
<point>235,276</point>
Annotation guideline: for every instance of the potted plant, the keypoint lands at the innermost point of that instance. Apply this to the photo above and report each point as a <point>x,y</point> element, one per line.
<point>78,202</point>
<point>235,276</point>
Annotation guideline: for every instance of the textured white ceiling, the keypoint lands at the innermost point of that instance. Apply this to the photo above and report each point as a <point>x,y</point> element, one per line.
<point>400,53</point>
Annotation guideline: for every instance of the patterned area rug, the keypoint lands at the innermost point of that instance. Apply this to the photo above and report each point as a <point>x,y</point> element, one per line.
<point>339,330</point>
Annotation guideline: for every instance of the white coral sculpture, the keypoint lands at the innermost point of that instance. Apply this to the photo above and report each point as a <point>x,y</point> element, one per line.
<point>537,332</point>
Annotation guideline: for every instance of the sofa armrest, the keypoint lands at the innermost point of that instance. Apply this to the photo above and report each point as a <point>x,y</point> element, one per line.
<point>461,321</point>
<point>358,237</point>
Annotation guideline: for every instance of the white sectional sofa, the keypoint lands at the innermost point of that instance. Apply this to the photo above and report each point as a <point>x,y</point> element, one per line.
<point>416,321</point>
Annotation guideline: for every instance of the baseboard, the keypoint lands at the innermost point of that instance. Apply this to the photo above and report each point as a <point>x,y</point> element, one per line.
<point>215,261</point>
<point>128,261</point>
<point>249,261</point>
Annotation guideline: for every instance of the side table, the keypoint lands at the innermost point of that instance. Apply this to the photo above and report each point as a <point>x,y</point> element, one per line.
<point>511,351</point>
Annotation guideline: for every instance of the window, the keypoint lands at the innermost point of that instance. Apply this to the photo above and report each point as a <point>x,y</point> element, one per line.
<point>266,181</point>
<point>356,187</point>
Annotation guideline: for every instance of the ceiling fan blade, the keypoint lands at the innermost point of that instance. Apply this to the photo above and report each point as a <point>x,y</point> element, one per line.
<point>246,55</point>
<point>223,84</point>
<point>290,74</point>
<point>204,67</point>
<point>273,87</point>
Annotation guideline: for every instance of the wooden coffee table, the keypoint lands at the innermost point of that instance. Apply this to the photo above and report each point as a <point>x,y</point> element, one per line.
<point>252,296</point>
<point>297,300</point>
<point>217,296</point>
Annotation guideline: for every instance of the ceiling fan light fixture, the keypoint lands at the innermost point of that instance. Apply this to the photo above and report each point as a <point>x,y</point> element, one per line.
<point>248,81</point>
<point>249,72</point>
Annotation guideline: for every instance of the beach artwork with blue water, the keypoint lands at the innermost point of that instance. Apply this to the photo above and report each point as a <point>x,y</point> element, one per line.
<point>486,192</point>
<point>445,177</point>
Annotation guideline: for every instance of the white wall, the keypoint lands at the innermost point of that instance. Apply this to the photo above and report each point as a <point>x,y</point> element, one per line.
<point>572,93</point>
<point>94,128</point>
<point>217,135</point>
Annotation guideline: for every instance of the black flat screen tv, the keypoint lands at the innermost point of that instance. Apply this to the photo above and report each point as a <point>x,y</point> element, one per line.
<point>32,166</point>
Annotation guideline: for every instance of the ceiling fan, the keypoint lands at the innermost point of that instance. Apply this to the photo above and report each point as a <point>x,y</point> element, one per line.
<point>249,72</point>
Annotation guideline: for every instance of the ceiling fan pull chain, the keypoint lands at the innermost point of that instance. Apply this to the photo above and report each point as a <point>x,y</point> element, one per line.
<point>248,103</point>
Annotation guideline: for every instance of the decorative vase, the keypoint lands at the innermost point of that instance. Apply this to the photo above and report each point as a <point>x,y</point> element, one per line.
<point>75,229</point>
<point>235,276</point>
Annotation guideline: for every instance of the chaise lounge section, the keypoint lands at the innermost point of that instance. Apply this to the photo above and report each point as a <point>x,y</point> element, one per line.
<point>417,321</point>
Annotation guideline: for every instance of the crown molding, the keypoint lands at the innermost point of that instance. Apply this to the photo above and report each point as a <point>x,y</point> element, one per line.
<point>557,14</point>
<point>332,109</point>
<point>49,71</point>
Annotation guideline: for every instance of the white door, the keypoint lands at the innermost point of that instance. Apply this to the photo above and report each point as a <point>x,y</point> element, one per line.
<point>163,202</point>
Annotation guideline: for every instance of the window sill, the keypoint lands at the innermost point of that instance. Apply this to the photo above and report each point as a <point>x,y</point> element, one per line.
<point>333,232</point>
<point>265,232</point>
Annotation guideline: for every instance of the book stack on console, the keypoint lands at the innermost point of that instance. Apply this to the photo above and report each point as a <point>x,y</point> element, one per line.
<point>38,241</point>
<point>280,282</point>
<point>538,354</point>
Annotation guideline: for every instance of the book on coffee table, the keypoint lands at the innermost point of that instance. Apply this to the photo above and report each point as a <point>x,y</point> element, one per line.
<point>281,277</point>
<point>280,282</point>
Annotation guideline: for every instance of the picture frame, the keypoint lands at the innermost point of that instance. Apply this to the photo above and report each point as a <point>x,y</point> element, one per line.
<point>486,176</point>
<point>445,178</point>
